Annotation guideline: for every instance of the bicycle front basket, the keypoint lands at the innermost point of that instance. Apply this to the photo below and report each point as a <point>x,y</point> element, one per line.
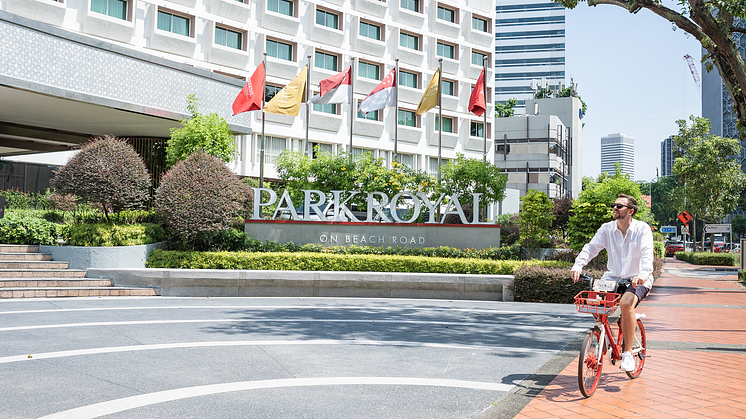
<point>597,302</point>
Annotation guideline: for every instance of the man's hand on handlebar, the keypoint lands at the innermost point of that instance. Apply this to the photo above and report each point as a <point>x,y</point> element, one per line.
<point>575,275</point>
<point>637,281</point>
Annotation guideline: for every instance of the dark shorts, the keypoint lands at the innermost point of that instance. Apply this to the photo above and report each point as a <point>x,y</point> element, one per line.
<point>641,292</point>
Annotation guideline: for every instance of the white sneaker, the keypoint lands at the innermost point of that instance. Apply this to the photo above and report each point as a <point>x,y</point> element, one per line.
<point>628,362</point>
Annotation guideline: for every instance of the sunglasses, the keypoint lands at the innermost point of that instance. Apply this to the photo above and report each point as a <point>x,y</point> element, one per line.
<point>619,206</point>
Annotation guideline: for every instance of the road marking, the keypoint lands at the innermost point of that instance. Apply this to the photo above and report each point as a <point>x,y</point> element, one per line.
<point>290,320</point>
<point>181,345</point>
<point>128,403</point>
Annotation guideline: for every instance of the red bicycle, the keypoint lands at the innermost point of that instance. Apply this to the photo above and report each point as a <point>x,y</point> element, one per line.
<point>601,303</point>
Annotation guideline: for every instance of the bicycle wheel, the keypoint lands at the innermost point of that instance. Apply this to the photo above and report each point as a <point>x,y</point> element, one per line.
<point>638,349</point>
<point>590,363</point>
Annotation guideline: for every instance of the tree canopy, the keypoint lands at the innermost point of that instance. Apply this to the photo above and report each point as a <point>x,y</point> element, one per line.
<point>535,219</point>
<point>712,23</point>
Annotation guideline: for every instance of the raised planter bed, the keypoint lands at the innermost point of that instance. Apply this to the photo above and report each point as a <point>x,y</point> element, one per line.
<point>84,257</point>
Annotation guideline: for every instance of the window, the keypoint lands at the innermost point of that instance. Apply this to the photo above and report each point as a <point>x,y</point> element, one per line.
<point>407,118</point>
<point>477,58</point>
<point>448,87</point>
<point>371,116</point>
<point>325,61</point>
<point>318,148</point>
<point>446,14</point>
<point>409,41</point>
<point>369,71</point>
<point>279,50</point>
<point>270,91</point>
<point>446,51</point>
<point>447,123</point>
<point>228,38</point>
<point>370,30</point>
<point>173,23</point>
<point>479,24</point>
<point>502,149</point>
<point>413,5</point>
<point>408,79</point>
<point>327,19</point>
<point>406,160</point>
<point>328,108</point>
<point>477,129</point>
<point>113,8</point>
<point>273,146</point>
<point>433,165</point>
<point>357,153</point>
<point>283,7</point>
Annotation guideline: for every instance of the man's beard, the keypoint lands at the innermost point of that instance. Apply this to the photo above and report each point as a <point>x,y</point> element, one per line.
<point>616,214</point>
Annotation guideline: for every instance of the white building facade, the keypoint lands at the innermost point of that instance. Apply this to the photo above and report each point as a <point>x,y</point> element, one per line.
<point>529,48</point>
<point>80,68</point>
<point>618,148</point>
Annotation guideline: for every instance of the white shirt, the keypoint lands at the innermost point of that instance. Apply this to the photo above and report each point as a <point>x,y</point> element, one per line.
<point>629,256</point>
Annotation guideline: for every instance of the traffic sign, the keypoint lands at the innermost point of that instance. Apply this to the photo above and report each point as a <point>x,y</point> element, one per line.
<point>684,217</point>
<point>717,228</point>
<point>668,229</point>
<point>684,229</point>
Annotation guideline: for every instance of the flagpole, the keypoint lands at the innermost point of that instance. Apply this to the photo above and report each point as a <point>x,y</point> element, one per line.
<point>352,101</point>
<point>440,116</point>
<point>396,112</point>
<point>261,155</point>
<point>484,80</point>
<point>308,104</point>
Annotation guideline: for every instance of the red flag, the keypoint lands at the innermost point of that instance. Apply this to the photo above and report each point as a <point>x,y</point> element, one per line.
<point>250,97</point>
<point>382,96</point>
<point>335,89</point>
<point>477,104</point>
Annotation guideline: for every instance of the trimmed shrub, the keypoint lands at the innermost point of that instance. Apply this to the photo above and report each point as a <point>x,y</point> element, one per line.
<point>707,258</point>
<point>106,171</point>
<point>742,276</point>
<point>535,283</point>
<point>659,249</point>
<point>19,200</point>
<point>199,197</point>
<point>20,229</point>
<point>62,202</point>
<point>113,234</point>
<point>331,262</point>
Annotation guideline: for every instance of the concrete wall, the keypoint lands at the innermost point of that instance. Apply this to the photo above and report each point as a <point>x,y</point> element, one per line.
<point>247,283</point>
<point>79,257</point>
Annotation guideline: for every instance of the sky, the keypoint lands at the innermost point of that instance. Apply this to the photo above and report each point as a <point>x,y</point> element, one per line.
<point>633,78</point>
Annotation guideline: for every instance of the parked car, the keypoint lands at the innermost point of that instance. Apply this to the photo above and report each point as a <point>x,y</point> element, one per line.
<point>674,246</point>
<point>719,247</point>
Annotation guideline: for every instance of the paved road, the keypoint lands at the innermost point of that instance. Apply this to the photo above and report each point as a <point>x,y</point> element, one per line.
<point>275,357</point>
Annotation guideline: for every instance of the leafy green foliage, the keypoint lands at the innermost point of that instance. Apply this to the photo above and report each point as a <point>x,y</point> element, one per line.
<point>505,110</point>
<point>706,166</point>
<point>510,229</point>
<point>16,199</point>
<point>738,224</point>
<point>209,133</point>
<point>465,176</point>
<point>535,219</point>
<point>561,210</point>
<point>707,258</point>
<point>667,202</point>
<point>106,171</point>
<point>332,262</point>
<point>592,208</point>
<point>536,283</point>
<point>109,234</point>
<point>20,229</point>
<point>199,197</point>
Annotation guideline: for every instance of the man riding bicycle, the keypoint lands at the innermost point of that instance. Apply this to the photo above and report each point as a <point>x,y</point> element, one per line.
<point>629,244</point>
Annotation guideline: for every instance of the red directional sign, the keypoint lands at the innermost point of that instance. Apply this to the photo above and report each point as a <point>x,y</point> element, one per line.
<point>684,217</point>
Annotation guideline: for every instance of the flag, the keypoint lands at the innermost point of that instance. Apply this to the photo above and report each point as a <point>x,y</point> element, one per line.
<point>477,104</point>
<point>430,97</point>
<point>287,101</point>
<point>382,96</point>
<point>335,89</point>
<point>250,97</point>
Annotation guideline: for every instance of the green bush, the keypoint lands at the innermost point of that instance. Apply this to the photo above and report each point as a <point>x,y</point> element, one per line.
<point>20,229</point>
<point>15,199</point>
<point>742,276</point>
<point>95,216</point>
<point>332,262</point>
<point>535,283</point>
<point>113,234</point>
<point>659,249</point>
<point>707,258</point>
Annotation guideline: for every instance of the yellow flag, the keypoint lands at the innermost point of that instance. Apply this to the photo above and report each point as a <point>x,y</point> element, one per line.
<point>287,101</point>
<point>430,97</point>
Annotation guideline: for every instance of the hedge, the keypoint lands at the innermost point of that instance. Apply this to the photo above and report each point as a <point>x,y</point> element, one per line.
<point>742,276</point>
<point>305,261</point>
<point>541,284</point>
<point>107,234</point>
<point>20,229</point>
<point>707,258</point>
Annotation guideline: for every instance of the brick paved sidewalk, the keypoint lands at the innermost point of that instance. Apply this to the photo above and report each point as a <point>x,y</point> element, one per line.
<point>696,365</point>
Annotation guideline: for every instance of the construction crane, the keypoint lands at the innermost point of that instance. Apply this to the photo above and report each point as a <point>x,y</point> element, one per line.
<point>695,74</point>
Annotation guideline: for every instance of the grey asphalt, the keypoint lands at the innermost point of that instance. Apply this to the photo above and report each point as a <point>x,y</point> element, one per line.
<point>164,357</point>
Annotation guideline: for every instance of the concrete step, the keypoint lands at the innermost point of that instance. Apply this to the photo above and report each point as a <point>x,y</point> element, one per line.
<point>24,256</point>
<point>18,248</point>
<point>37,292</point>
<point>32,264</point>
<point>42,273</point>
<point>53,282</point>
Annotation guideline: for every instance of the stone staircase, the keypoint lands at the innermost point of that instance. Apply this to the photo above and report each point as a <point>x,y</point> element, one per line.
<point>24,273</point>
